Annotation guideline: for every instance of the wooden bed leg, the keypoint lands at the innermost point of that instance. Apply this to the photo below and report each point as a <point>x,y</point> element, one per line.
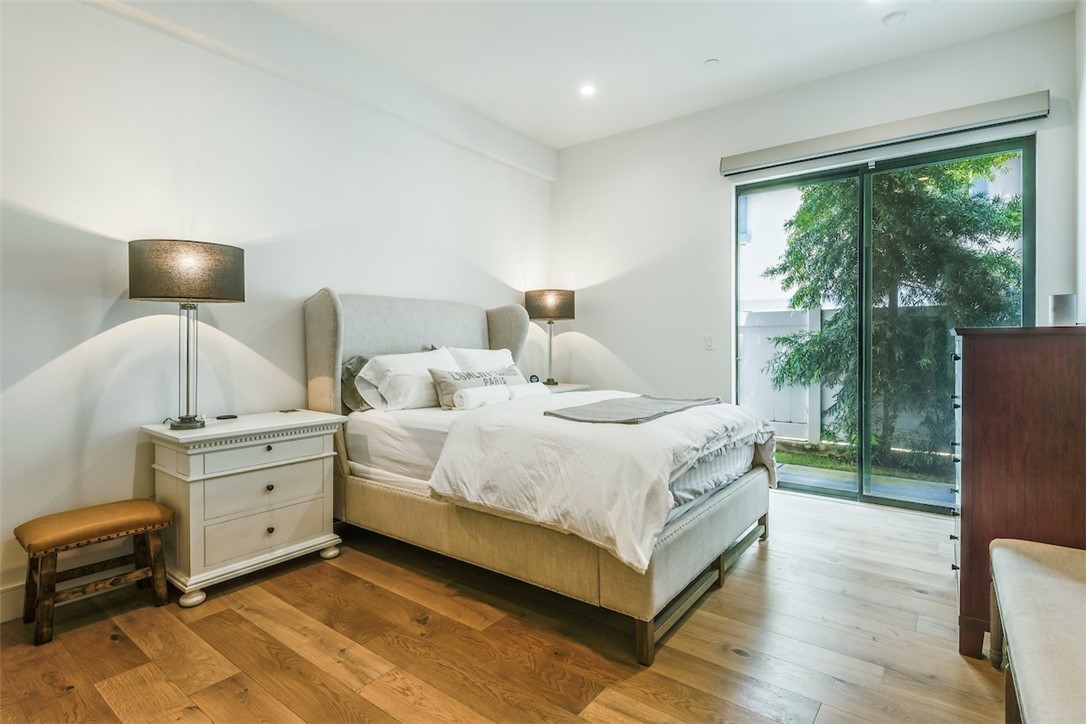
<point>648,633</point>
<point>646,642</point>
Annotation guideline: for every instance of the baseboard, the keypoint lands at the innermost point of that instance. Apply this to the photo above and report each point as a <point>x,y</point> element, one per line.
<point>11,602</point>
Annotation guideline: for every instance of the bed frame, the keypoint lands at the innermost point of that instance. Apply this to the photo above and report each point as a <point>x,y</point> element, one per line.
<point>691,555</point>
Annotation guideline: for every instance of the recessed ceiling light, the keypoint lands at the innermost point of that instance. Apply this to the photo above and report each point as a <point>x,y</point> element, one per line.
<point>892,20</point>
<point>588,90</point>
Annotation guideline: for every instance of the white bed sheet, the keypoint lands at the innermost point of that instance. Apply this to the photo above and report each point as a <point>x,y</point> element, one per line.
<point>608,484</point>
<point>690,488</point>
<point>402,483</point>
<point>711,474</point>
<point>402,442</point>
<point>400,448</point>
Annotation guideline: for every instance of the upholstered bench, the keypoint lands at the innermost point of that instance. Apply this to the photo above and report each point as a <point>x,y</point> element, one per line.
<point>1039,616</point>
<point>44,537</point>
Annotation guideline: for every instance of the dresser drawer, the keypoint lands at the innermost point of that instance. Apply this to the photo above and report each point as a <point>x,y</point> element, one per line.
<point>262,454</point>
<point>249,535</point>
<point>250,491</point>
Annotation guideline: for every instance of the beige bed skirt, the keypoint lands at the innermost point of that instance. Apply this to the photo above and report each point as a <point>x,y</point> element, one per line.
<point>558,561</point>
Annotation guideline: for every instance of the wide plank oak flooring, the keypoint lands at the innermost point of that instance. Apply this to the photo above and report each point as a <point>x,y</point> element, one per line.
<point>847,614</point>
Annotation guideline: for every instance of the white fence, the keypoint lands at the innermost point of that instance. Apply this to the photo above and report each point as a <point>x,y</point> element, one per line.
<point>796,412</point>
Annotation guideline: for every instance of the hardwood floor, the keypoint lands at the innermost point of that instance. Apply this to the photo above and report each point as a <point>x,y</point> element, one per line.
<point>847,614</point>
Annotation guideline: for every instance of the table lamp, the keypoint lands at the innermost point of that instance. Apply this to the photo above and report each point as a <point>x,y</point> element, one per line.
<point>552,305</point>
<point>186,272</point>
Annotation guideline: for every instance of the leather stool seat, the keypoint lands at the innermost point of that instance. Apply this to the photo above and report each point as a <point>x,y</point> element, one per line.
<point>44,537</point>
<point>80,527</point>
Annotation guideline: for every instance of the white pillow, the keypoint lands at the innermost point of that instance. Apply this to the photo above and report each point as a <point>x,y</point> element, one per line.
<point>403,380</point>
<point>370,394</point>
<point>406,391</point>
<point>480,360</point>
<point>381,366</point>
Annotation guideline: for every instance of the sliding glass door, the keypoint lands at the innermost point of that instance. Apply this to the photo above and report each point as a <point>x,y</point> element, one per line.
<point>798,271</point>
<point>849,286</point>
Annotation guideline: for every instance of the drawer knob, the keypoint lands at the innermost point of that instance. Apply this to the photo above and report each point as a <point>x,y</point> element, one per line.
<point>270,487</point>
<point>268,448</point>
<point>271,529</point>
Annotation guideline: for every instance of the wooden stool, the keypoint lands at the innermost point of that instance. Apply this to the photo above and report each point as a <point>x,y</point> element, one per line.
<point>44,537</point>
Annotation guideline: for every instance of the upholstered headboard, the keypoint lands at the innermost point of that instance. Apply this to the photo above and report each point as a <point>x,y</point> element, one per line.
<point>337,327</point>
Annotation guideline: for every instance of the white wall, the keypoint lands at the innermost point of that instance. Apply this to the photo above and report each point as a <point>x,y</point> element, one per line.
<point>114,131</point>
<point>642,222</point>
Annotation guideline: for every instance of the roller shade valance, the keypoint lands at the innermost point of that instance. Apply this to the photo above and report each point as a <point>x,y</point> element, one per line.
<point>1026,107</point>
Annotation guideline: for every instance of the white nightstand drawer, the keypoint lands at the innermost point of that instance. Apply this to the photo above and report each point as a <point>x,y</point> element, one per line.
<point>261,531</point>
<point>259,489</point>
<point>262,454</point>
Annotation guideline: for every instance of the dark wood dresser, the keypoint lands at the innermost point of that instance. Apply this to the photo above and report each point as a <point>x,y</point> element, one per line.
<point>1022,431</point>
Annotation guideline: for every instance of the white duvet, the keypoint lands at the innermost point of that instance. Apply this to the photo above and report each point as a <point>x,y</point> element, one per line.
<point>607,483</point>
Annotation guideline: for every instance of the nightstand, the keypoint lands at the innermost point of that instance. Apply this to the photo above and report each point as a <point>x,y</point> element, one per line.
<point>566,387</point>
<point>246,493</point>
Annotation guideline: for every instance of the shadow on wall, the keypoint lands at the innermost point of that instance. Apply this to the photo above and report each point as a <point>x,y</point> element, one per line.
<point>82,410</point>
<point>651,322</point>
<point>584,360</point>
<point>533,360</point>
<point>59,287</point>
<point>62,286</point>
<point>71,428</point>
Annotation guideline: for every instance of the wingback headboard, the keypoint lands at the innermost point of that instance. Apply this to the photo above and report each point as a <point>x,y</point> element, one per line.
<point>337,327</point>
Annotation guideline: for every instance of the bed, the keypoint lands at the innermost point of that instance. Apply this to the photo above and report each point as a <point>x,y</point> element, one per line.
<point>689,557</point>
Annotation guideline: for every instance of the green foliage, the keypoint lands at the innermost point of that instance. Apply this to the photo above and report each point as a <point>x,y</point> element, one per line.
<point>942,257</point>
<point>899,464</point>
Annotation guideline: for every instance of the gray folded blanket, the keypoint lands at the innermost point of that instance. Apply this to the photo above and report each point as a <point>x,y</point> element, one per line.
<point>628,410</point>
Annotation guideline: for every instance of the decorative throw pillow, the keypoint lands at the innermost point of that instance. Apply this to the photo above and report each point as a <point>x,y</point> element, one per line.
<point>404,380</point>
<point>449,382</point>
<point>481,360</point>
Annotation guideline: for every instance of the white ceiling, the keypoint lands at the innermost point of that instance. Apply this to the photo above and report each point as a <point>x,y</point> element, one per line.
<point>523,63</point>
